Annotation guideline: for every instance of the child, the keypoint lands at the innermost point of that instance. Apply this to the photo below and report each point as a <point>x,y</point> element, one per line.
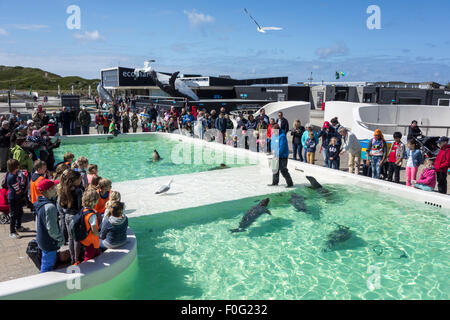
<point>114,197</point>
<point>414,157</point>
<point>427,180</point>
<point>68,158</point>
<point>81,165</point>
<point>310,145</point>
<point>395,158</point>
<point>103,190</point>
<point>48,233</point>
<point>16,183</point>
<point>333,154</point>
<point>92,172</point>
<point>69,204</point>
<point>114,227</point>
<point>59,170</point>
<point>38,175</point>
<point>94,183</point>
<point>92,241</point>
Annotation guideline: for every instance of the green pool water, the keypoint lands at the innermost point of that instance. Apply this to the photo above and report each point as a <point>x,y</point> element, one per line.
<point>398,250</point>
<point>122,159</point>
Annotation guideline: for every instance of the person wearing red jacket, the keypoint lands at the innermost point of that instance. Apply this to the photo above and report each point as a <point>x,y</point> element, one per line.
<point>52,129</point>
<point>441,164</point>
<point>99,122</point>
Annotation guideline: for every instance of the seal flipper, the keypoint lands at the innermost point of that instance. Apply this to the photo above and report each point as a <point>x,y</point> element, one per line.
<point>268,212</point>
<point>237,230</point>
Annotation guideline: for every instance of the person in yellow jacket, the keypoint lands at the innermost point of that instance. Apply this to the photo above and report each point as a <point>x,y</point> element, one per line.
<point>24,158</point>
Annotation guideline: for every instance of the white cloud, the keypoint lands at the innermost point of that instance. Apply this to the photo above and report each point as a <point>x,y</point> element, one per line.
<point>337,49</point>
<point>197,19</point>
<point>89,36</point>
<point>3,32</point>
<point>30,27</point>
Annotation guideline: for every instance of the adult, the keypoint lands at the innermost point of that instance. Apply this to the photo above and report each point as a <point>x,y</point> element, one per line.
<point>376,153</point>
<point>326,134</point>
<point>269,135</point>
<point>48,233</point>
<point>188,117</point>
<point>84,118</point>
<point>134,121</point>
<point>414,131</point>
<point>250,125</point>
<point>280,150</point>
<point>350,144</point>
<point>283,123</point>
<point>297,133</point>
<point>5,138</point>
<point>263,115</point>
<point>126,121</point>
<point>153,113</point>
<point>221,127</point>
<point>442,164</point>
<point>14,120</point>
<point>65,117</point>
<point>261,127</point>
<point>99,122</point>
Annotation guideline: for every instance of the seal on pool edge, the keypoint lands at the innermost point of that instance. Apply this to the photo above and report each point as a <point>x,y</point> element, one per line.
<point>253,214</point>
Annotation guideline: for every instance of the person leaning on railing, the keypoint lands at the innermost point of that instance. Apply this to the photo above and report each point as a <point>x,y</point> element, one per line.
<point>353,147</point>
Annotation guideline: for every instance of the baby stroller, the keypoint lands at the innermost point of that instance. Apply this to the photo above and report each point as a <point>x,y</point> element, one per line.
<point>4,206</point>
<point>428,145</point>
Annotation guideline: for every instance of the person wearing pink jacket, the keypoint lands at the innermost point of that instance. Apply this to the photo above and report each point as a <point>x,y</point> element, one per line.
<point>427,180</point>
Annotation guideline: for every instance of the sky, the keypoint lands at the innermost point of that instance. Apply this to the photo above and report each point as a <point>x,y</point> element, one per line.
<point>217,38</point>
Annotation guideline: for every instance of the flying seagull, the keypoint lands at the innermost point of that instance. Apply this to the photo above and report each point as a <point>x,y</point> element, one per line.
<point>165,188</point>
<point>262,29</point>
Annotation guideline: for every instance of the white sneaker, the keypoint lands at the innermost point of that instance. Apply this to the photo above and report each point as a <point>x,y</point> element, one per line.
<point>14,235</point>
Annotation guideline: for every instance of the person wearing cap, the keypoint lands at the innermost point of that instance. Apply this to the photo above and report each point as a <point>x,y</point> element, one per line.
<point>326,134</point>
<point>441,164</point>
<point>52,129</point>
<point>305,137</point>
<point>48,233</point>
<point>5,137</point>
<point>376,153</point>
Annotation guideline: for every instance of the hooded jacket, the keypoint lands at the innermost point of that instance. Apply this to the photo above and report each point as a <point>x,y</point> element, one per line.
<point>428,178</point>
<point>442,162</point>
<point>48,233</point>
<point>25,162</point>
<point>114,230</point>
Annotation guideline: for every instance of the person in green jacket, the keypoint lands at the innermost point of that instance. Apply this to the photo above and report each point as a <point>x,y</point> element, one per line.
<point>113,128</point>
<point>24,158</point>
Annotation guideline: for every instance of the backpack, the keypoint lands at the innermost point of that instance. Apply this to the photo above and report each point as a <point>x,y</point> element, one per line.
<point>35,253</point>
<point>77,226</point>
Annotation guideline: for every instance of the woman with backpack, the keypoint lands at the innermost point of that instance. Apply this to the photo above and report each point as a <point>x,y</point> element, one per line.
<point>69,204</point>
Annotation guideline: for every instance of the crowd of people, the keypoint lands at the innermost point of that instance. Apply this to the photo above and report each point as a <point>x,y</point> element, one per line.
<point>74,206</point>
<point>70,203</point>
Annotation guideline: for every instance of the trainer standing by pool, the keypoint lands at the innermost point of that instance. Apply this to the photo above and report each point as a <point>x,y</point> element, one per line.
<point>280,150</point>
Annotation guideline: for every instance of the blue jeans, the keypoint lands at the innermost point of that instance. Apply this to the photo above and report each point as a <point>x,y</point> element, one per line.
<point>376,168</point>
<point>297,149</point>
<point>305,160</point>
<point>326,157</point>
<point>85,129</point>
<point>48,261</point>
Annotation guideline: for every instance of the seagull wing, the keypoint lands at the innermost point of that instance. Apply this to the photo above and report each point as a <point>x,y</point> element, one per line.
<point>271,28</point>
<point>252,18</point>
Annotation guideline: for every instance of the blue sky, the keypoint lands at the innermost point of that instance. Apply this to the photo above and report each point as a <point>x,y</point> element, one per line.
<point>217,38</point>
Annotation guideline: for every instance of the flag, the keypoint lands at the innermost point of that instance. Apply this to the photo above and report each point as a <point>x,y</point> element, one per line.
<point>338,75</point>
<point>31,90</point>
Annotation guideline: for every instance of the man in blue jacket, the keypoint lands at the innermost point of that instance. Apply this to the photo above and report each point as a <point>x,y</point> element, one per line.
<point>221,126</point>
<point>48,233</point>
<point>280,150</point>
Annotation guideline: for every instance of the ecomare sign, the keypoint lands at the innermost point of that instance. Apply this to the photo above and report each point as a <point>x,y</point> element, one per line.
<point>132,74</point>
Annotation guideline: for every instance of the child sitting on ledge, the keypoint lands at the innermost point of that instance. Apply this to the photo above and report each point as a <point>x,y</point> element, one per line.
<point>114,228</point>
<point>427,180</point>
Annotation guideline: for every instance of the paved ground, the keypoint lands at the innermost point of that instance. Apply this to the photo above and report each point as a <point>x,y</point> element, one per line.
<point>14,263</point>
